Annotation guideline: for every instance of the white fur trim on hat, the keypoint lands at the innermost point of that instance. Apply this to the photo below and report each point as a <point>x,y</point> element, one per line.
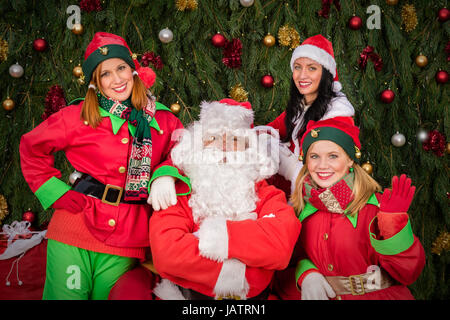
<point>337,86</point>
<point>317,54</point>
<point>213,238</point>
<point>231,280</point>
<point>219,115</point>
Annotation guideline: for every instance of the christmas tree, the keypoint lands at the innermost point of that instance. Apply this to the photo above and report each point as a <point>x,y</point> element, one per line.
<point>392,58</point>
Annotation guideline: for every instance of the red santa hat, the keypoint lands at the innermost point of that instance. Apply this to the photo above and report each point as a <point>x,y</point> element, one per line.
<point>226,113</point>
<point>105,46</point>
<point>319,49</point>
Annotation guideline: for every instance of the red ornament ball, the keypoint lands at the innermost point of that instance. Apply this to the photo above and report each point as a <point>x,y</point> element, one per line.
<point>29,216</point>
<point>355,23</point>
<point>218,40</point>
<point>387,96</point>
<point>443,14</point>
<point>267,81</point>
<point>40,45</point>
<point>441,76</point>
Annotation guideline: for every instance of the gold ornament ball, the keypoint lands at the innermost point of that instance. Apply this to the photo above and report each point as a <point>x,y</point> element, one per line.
<point>175,108</point>
<point>269,40</point>
<point>447,148</point>
<point>367,167</point>
<point>392,2</point>
<point>8,104</point>
<point>77,71</point>
<point>78,29</point>
<point>421,61</point>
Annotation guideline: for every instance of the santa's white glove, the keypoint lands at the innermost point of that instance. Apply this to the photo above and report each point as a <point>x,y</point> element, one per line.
<point>316,287</point>
<point>289,164</point>
<point>162,193</point>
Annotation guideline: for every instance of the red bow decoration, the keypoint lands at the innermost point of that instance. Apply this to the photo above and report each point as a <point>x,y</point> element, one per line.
<point>368,53</point>
<point>90,5</point>
<point>232,53</point>
<point>326,4</point>
<point>151,57</point>
<point>435,143</point>
<point>54,101</point>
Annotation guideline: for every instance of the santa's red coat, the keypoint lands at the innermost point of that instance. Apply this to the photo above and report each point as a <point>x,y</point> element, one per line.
<point>263,245</point>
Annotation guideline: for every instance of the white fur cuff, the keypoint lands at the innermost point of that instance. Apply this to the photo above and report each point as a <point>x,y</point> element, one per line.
<point>231,280</point>
<point>213,238</point>
<point>167,290</point>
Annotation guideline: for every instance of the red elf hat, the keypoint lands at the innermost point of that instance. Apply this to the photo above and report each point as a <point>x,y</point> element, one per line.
<point>105,46</point>
<point>340,130</point>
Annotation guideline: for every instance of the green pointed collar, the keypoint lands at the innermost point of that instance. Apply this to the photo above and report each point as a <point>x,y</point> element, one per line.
<point>309,209</point>
<point>117,122</point>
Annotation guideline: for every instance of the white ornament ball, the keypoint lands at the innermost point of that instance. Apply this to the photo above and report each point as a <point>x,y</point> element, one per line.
<point>74,176</point>
<point>422,135</point>
<point>398,140</point>
<point>165,35</point>
<point>16,70</point>
<point>247,3</point>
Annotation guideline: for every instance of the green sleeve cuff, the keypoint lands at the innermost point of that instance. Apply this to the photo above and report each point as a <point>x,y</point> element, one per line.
<point>303,266</point>
<point>51,191</point>
<point>398,243</point>
<point>170,171</point>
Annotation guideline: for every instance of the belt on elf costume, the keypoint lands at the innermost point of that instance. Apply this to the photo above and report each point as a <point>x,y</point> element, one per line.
<point>190,294</point>
<point>109,193</point>
<point>361,283</point>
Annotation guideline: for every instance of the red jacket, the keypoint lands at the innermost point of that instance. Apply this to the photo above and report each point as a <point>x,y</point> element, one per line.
<point>263,245</point>
<point>340,246</point>
<point>102,153</point>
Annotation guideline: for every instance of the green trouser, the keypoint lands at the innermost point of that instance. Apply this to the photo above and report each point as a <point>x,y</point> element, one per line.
<point>78,274</point>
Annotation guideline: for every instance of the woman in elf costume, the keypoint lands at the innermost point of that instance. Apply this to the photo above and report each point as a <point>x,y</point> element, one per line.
<point>119,140</point>
<point>357,243</point>
<point>315,94</point>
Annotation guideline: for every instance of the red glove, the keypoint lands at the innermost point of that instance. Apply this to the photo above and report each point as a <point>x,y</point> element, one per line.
<point>394,205</point>
<point>400,198</point>
<point>71,201</point>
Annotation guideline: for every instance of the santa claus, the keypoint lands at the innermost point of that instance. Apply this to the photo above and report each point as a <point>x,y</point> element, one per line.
<point>225,238</point>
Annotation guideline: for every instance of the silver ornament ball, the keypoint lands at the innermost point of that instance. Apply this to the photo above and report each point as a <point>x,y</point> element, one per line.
<point>165,35</point>
<point>422,135</point>
<point>16,70</point>
<point>247,3</point>
<point>74,176</point>
<point>398,140</point>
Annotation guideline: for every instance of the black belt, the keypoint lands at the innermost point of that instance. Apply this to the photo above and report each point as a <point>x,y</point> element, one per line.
<point>109,193</point>
<point>190,294</point>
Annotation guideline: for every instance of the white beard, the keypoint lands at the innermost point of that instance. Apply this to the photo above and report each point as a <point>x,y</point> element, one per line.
<point>221,188</point>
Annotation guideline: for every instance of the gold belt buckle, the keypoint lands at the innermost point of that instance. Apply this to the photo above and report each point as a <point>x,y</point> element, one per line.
<point>353,289</point>
<point>110,186</point>
<point>228,297</point>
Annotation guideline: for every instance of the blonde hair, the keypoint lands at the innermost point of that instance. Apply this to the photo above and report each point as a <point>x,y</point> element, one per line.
<point>363,187</point>
<point>90,112</point>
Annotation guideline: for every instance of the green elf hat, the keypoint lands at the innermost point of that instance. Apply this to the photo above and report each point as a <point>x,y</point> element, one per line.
<point>340,130</point>
<point>105,46</point>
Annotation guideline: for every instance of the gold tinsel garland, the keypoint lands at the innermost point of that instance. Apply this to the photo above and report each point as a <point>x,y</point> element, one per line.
<point>409,17</point>
<point>442,243</point>
<point>3,208</point>
<point>186,5</point>
<point>3,50</point>
<point>238,93</point>
<point>288,36</point>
